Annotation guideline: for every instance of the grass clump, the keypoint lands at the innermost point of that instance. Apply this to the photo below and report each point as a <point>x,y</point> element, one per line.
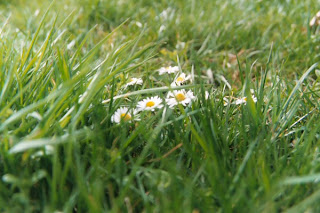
<point>169,106</point>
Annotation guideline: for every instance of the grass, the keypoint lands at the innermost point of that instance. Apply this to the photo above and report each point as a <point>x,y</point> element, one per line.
<point>64,65</point>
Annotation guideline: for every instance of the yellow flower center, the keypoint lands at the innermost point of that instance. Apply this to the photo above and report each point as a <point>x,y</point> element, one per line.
<point>245,99</point>
<point>180,97</point>
<point>150,104</point>
<point>180,79</point>
<point>125,116</point>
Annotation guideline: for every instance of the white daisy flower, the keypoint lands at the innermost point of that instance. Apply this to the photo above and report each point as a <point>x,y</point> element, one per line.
<point>150,104</point>
<point>169,70</point>
<point>162,28</point>
<point>179,97</point>
<point>180,79</point>
<point>134,81</point>
<point>206,95</point>
<point>180,45</point>
<point>124,114</point>
<point>167,14</point>
<point>226,101</point>
<point>315,21</point>
<point>243,100</point>
<point>138,24</point>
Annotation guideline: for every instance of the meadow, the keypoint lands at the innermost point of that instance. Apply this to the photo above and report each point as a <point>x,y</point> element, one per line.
<point>159,106</point>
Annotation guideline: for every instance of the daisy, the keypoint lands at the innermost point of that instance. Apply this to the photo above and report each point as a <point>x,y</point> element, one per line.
<point>315,21</point>
<point>226,101</point>
<point>180,97</point>
<point>167,14</point>
<point>206,95</point>
<point>180,79</point>
<point>244,100</point>
<point>123,114</point>
<point>169,70</point>
<point>134,81</point>
<point>150,104</point>
<point>180,45</point>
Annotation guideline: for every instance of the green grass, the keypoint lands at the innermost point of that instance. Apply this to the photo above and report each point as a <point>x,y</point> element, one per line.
<point>60,152</point>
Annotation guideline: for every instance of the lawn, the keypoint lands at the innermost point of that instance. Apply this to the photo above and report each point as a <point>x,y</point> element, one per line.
<point>159,106</point>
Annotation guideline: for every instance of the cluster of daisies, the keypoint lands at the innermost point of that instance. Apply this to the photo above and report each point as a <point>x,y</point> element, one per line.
<point>173,98</point>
